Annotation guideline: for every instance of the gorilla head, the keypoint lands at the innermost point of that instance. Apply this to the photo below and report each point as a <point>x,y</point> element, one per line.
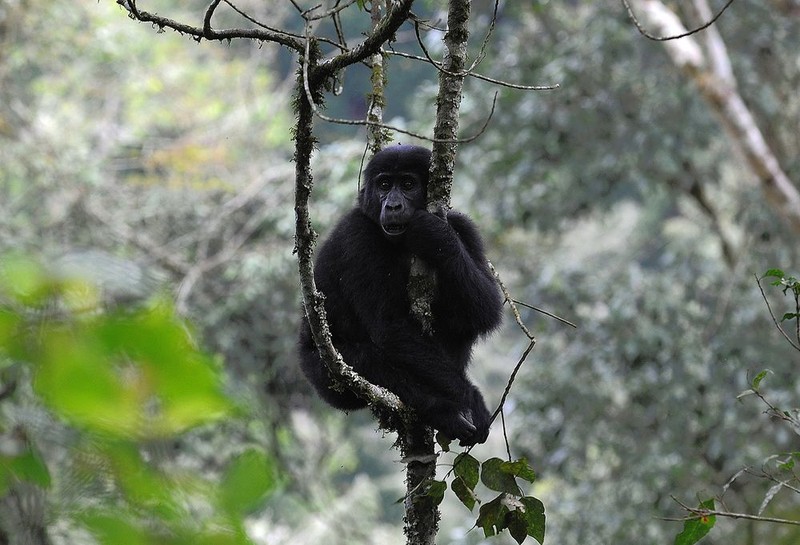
<point>395,186</point>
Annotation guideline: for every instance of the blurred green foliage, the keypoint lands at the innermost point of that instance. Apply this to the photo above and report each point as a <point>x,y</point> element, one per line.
<point>120,381</point>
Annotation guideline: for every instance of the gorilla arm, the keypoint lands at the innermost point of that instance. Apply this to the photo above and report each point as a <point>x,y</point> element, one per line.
<point>469,303</point>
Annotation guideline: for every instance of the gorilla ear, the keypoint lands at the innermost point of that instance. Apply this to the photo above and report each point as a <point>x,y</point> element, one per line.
<point>367,201</point>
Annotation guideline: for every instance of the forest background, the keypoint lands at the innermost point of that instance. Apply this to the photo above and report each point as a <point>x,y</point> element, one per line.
<point>157,165</point>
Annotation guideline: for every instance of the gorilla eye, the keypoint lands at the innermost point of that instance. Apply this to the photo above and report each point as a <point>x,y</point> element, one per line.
<point>407,184</point>
<point>385,184</point>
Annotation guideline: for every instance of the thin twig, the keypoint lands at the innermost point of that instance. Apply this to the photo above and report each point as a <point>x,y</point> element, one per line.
<point>334,11</point>
<point>369,123</point>
<point>546,313</point>
<point>511,379</point>
<point>697,513</point>
<point>439,66</point>
<point>649,36</point>
<point>262,25</point>
<point>482,51</point>
<point>210,34</point>
<point>772,315</point>
<point>510,301</point>
<point>524,329</point>
<point>505,433</point>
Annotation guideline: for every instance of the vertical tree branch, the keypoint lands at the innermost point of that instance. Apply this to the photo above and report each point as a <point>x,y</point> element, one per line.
<point>448,102</point>
<point>422,515</point>
<point>378,136</point>
<point>309,87</point>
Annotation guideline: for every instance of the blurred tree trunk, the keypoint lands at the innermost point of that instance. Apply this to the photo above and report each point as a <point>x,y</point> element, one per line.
<point>704,59</point>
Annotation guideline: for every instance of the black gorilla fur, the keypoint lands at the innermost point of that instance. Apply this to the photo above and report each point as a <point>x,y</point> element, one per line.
<point>363,270</point>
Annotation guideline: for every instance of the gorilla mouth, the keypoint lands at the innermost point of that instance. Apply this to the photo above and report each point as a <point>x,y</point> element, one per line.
<point>394,229</point>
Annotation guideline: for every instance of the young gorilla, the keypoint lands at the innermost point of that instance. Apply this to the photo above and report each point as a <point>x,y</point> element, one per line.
<point>363,270</point>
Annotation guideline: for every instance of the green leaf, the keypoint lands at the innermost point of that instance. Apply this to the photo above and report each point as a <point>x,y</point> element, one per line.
<point>745,393</point>
<point>114,528</point>
<point>24,279</point>
<point>759,377</point>
<point>695,529</point>
<point>789,316</point>
<point>519,468</point>
<point>534,517</point>
<point>775,273</point>
<point>184,379</point>
<point>436,490</point>
<point>132,375</point>
<point>28,467</point>
<point>466,467</point>
<point>76,378</point>
<point>517,525</point>
<point>464,493</point>
<point>9,325</point>
<point>496,476</point>
<point>492,516</point>
<point>142,485</point>
<point>247,482</point>
<point>788,465</point>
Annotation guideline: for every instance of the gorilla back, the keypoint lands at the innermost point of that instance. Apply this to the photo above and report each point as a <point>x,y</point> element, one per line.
<point>363,270</point>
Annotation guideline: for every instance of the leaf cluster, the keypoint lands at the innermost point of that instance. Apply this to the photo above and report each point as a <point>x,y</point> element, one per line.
<point>788,284</point>
<point>511,510</point>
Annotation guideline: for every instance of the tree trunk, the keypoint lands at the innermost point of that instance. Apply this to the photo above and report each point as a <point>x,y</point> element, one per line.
<point>422,515</point>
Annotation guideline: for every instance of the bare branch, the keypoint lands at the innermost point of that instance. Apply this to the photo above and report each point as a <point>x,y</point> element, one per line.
<point>383,32</point>
<point>428,59</point>
<point>512,378</point>
<point>379,124</point>
<point>696,513</point>
<point>310,84</point>
<point>334,11</point>
<point>210,34</point>
<point>715,46</point>
<point>207,19</point>
<point>678,36</point>
<point>313,300</point>
<point>376,134</point>
<point>262,25</point>
<point>521,324</point>
<point>546,313</point>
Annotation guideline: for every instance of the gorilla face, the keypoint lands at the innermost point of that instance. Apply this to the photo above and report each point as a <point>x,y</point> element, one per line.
<point>396,181</point>
<point>400,195</point>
